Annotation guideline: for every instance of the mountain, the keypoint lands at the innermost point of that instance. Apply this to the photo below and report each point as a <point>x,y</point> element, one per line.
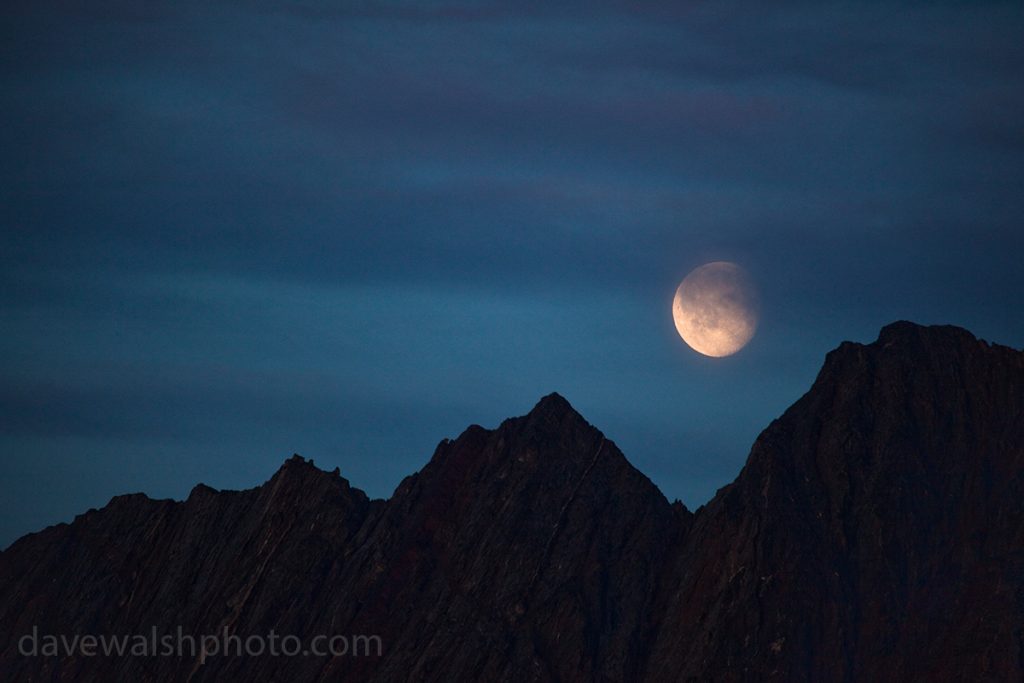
<point>876,532</point>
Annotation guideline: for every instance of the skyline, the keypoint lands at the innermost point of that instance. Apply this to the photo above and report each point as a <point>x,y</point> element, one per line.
<point>235,233</point>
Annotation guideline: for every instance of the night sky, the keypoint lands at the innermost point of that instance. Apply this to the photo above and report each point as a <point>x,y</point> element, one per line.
<point>234,231</point>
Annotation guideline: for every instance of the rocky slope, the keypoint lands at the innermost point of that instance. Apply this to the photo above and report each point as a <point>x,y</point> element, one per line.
<point>875,533</point>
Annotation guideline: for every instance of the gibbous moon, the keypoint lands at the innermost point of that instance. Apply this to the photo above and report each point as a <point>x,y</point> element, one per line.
<point>716,309</point>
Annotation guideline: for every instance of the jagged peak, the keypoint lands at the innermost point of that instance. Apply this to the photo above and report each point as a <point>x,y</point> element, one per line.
<point>300,475</point>
<point>298,461</point>
<point>298,464</point>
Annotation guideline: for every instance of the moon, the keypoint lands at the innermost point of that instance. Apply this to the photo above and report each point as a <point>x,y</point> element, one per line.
<point>716,309</point>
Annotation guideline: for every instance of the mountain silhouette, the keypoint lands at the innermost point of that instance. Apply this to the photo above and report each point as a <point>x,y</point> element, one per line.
<point>875,533</point>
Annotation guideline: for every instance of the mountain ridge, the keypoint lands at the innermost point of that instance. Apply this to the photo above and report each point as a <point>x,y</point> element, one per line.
<point>883,500</point>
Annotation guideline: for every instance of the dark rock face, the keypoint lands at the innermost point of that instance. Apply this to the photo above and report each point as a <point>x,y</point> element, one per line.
<point>875,533</point>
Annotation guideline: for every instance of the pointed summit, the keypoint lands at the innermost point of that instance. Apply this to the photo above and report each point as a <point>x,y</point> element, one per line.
<point>553,403</point>
<point>554,415</point>
<point>553,433</point>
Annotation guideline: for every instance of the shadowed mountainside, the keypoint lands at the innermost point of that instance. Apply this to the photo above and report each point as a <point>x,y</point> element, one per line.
<point>875,533</point>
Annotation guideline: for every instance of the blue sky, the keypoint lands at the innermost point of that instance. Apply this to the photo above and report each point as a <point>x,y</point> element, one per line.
<point>350,230</point>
